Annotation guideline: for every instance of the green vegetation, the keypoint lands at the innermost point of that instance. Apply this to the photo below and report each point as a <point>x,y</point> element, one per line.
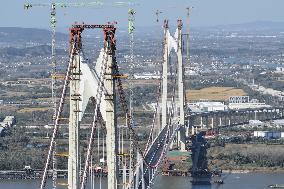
<point>16,151</point>
<point>247,156</point>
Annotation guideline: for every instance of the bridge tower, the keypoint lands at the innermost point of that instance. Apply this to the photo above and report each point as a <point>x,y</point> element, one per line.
<point>181,94</point>
<point>75,97</point>
<point>111,118</point>
<point>177,45</point>
<point>108,108</point>
<point>165,75</point>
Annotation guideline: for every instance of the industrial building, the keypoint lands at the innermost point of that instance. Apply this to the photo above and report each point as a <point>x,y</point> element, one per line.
<point>235,103</point>
<point>269,134</point>
<point>253,104</point>
<point>211,106</point>
<point>207,106</point>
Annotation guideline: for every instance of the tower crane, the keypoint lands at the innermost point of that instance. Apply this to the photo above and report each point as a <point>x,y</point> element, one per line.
<point>188,29</point>
<point>131,29</point>
<point>189,10</point>
<point>158,12</point>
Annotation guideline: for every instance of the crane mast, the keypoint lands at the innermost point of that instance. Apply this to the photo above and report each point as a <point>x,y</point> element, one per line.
<point>131,28</point>
<point>188,30</point>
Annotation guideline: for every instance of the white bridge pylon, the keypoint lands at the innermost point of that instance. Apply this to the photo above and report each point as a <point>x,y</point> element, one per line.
<point>174,43</point>
<point>172,118</point>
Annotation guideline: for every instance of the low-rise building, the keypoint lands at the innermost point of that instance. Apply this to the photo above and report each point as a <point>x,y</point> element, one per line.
<point>269,134</point>
<point>244,102</point>
<point>147,76</point>
<point>279,122</point>
<point>211,106</point>
<point>249,105</point>
<point>207,106</point>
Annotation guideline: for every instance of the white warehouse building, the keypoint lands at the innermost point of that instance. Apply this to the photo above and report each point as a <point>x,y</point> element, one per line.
<point>211,106</point>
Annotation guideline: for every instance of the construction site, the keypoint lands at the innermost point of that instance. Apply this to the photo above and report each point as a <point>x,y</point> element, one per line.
<point>100,105</point>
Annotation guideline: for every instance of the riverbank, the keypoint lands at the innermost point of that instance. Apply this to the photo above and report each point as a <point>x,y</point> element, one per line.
<point>247,158</point>
<point>242,171</point>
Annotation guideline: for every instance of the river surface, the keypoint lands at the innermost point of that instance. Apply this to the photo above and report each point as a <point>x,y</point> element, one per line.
<point>231,181</point>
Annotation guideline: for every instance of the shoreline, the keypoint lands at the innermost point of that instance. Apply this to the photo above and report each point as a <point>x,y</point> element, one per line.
<point>244,171</point>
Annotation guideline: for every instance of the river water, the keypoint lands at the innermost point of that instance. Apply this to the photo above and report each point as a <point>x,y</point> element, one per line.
<point>231,181</point>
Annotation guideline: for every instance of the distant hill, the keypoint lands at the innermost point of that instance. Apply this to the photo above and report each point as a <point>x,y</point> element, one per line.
<point>253,27</point>
<point>262,26</point>
<point>16,34</point>
<point>42,50</point>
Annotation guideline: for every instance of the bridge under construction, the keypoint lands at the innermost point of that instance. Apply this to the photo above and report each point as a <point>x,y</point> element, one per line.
<point>118,152</point>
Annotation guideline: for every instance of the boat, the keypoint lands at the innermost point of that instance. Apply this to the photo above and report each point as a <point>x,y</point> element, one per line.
<point>219,181</point>
<point>276,186</point>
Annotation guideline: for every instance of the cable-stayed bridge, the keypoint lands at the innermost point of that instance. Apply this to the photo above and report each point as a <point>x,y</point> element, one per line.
<point>129,164</point>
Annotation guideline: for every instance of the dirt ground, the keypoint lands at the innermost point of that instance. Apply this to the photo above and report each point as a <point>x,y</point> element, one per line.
<point>214,93</point>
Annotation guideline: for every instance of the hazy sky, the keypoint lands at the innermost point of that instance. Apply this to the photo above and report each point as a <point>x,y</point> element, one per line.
<point>205,13</point>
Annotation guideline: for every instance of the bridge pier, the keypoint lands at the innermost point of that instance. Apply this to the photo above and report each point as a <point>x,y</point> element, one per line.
<point>220,121</point>
<point>275,114</point>
<point>207,121</point>
<point>262,115</point>
<point>250,114</point>
<point>269,114</point>
<point>187,133</point>
<point>225,119</point>
<point>255,115</point>
<point>181,139</point>
<point>242,116</point>
<point>165,76</point>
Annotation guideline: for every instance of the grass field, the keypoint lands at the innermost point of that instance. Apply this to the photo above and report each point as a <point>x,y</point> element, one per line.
<point>8,108</point>
<point>214,93</point>
<point>26,110</point>
<point>141,82</point>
